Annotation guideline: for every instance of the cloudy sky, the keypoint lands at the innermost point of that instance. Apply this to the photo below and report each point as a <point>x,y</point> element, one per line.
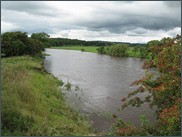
<point>126,21</point>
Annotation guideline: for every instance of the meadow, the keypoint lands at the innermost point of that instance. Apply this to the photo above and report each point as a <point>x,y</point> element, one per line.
<point>93,49</point>
<point>81,48</point>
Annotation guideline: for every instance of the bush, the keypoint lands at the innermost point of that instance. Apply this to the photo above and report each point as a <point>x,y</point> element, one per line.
<point>101,50</point>
<point>13,121</point>
<point>82,50</point>
<point>164,90</point>
<point>119,50</point>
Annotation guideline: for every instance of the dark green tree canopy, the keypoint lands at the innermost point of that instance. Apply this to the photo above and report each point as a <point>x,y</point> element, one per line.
<point>43,37</point>
<point>18,43</point>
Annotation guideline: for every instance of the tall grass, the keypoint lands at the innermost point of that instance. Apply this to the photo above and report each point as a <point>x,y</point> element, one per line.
<point>32,103</point>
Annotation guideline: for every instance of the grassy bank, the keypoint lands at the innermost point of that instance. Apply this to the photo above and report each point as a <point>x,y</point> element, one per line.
<point>93,49</point>
<point>33,105</point>
<point>84,48</point>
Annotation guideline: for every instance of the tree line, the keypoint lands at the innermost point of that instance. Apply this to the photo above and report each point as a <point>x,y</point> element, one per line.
<point>75,42</point>
<point>128,49</point>
<point>123,50</point>
<point>18,43</point>
<point>56,42</point>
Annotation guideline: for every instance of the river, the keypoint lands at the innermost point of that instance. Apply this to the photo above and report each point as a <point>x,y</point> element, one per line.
<point>98,84</point>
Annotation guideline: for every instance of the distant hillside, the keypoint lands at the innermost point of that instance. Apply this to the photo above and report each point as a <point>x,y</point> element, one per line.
<point>138,44</point>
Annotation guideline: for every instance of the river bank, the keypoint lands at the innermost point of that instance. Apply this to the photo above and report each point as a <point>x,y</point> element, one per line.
<point>131,52</point>
<point>92,49</point>
<point>33,105</point>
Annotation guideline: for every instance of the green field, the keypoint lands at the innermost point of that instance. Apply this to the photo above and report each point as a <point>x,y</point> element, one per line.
<point>94,50</point>
<point>86,48</point>
<point>32,103</point>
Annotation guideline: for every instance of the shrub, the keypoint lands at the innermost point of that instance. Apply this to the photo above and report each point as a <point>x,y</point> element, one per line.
<point>13,121</point>
<point>119,50</point>
<point>101,50</point>
<point>164,91</point>
<point>82,50</point>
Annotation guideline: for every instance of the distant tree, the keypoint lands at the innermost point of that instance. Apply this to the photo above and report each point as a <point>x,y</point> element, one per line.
<point>119,50</point>
<point>143,53</point>
<point>107,49</point>
<point>43,37</point>
<point>135,50</point>
<point>101,50</point>
<point>153,43</point>
<point>82,49</point>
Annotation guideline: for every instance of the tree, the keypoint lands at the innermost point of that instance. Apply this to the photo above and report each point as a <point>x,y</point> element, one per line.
<point>18,43</point>
<point>18,47</point>
<point>43,37</point>
<point>153,43</point>
<point>34,47</point>
<point>143,53</point>
<point>135,50</point>
<point>13,43</point>
<point>101,50</point>
<point>164,91</point>
<point>119,50</point>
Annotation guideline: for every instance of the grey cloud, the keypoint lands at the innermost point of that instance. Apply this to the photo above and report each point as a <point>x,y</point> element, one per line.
<point>98,18</point>
<point>21,6</point>
<point>131,22</point>
<point>65,35</point>
<point>118,21</point>
<point>140,31</point>
<point>36,8</point>
<point>122,2</point>
<point>173,4</point>
<point>112,20</point>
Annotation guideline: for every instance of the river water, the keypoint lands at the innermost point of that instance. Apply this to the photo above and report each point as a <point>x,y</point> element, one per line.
<point>98,84</point>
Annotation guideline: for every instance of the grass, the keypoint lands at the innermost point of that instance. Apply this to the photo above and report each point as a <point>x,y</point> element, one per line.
<point>85,48</point>
<point>93,49</point>
<point>33,105</point>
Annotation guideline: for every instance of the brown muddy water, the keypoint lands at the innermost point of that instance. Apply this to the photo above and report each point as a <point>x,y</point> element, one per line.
<point>98,84</point>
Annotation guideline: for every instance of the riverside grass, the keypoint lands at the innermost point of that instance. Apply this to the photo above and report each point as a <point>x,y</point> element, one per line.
<point>86,48</point>
<point>93,49</point>
<point>32,103</point>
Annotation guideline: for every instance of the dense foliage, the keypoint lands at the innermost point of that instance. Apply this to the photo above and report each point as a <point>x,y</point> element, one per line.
<point>58,42</point>
<point>75,42</point>
<point>101,50</point>
<point>163,90</point>
<point>43,37</point>
<point>18,43</point>
<point>123,50</point>
<point>119,50</point>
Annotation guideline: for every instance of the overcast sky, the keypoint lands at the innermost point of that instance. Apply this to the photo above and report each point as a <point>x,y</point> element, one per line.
<point>125,21</point>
